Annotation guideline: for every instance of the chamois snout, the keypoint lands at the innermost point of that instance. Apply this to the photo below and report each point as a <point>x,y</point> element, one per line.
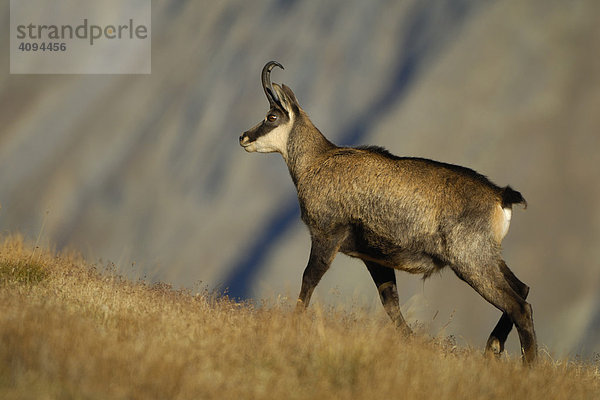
<point>248,139</point>
<point>244,140</point>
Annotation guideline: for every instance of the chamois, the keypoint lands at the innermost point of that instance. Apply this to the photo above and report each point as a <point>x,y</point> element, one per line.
<point>405,213</point>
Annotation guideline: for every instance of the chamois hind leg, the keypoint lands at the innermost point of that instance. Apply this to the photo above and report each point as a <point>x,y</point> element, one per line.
<point>495,343</point>
<point>491,283</point>
<point>385,281</point>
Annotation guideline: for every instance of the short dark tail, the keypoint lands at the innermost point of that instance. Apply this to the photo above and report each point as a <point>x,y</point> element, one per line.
<point>511,196</point>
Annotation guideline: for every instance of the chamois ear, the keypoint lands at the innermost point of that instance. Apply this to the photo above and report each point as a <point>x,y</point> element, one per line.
<point>288,99</point>
<point>290,95</point>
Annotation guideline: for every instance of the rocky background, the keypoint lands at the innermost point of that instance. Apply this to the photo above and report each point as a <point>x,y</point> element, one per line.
<point>145,171</point>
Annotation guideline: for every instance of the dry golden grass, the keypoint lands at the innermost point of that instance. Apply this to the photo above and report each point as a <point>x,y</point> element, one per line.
<point>68,331</point>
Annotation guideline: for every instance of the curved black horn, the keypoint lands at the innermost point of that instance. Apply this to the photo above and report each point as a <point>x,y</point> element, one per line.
<point>266,82</point>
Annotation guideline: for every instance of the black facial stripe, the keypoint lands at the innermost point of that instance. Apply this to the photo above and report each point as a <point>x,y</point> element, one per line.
<point>265,126</point>
<point>260,130</point>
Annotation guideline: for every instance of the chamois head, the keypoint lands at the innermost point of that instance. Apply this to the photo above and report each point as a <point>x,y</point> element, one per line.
<point>271,134</point>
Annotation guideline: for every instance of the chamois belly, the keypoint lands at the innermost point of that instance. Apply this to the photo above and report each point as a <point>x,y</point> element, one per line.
<point>391,255</point>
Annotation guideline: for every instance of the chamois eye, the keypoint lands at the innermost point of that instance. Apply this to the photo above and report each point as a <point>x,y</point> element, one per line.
<point>271,117</point>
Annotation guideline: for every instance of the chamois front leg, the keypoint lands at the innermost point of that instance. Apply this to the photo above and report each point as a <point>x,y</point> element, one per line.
<point>385,281</point>
<point>322,253</point>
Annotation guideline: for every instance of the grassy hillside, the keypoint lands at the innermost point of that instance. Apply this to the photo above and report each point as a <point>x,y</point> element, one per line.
<point>70,331</point>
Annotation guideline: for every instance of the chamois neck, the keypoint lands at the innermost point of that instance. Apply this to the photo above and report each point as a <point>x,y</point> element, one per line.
<point>306,144</point>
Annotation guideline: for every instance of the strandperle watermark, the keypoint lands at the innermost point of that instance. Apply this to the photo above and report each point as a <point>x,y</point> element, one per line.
<point>83,31</point>
<point>80,37</point>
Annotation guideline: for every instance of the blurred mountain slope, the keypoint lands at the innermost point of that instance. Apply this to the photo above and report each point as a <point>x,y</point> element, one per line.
<point>147,169</point>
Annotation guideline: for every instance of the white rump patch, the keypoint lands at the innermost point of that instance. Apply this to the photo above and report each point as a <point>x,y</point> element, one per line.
<point>507,216</point>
